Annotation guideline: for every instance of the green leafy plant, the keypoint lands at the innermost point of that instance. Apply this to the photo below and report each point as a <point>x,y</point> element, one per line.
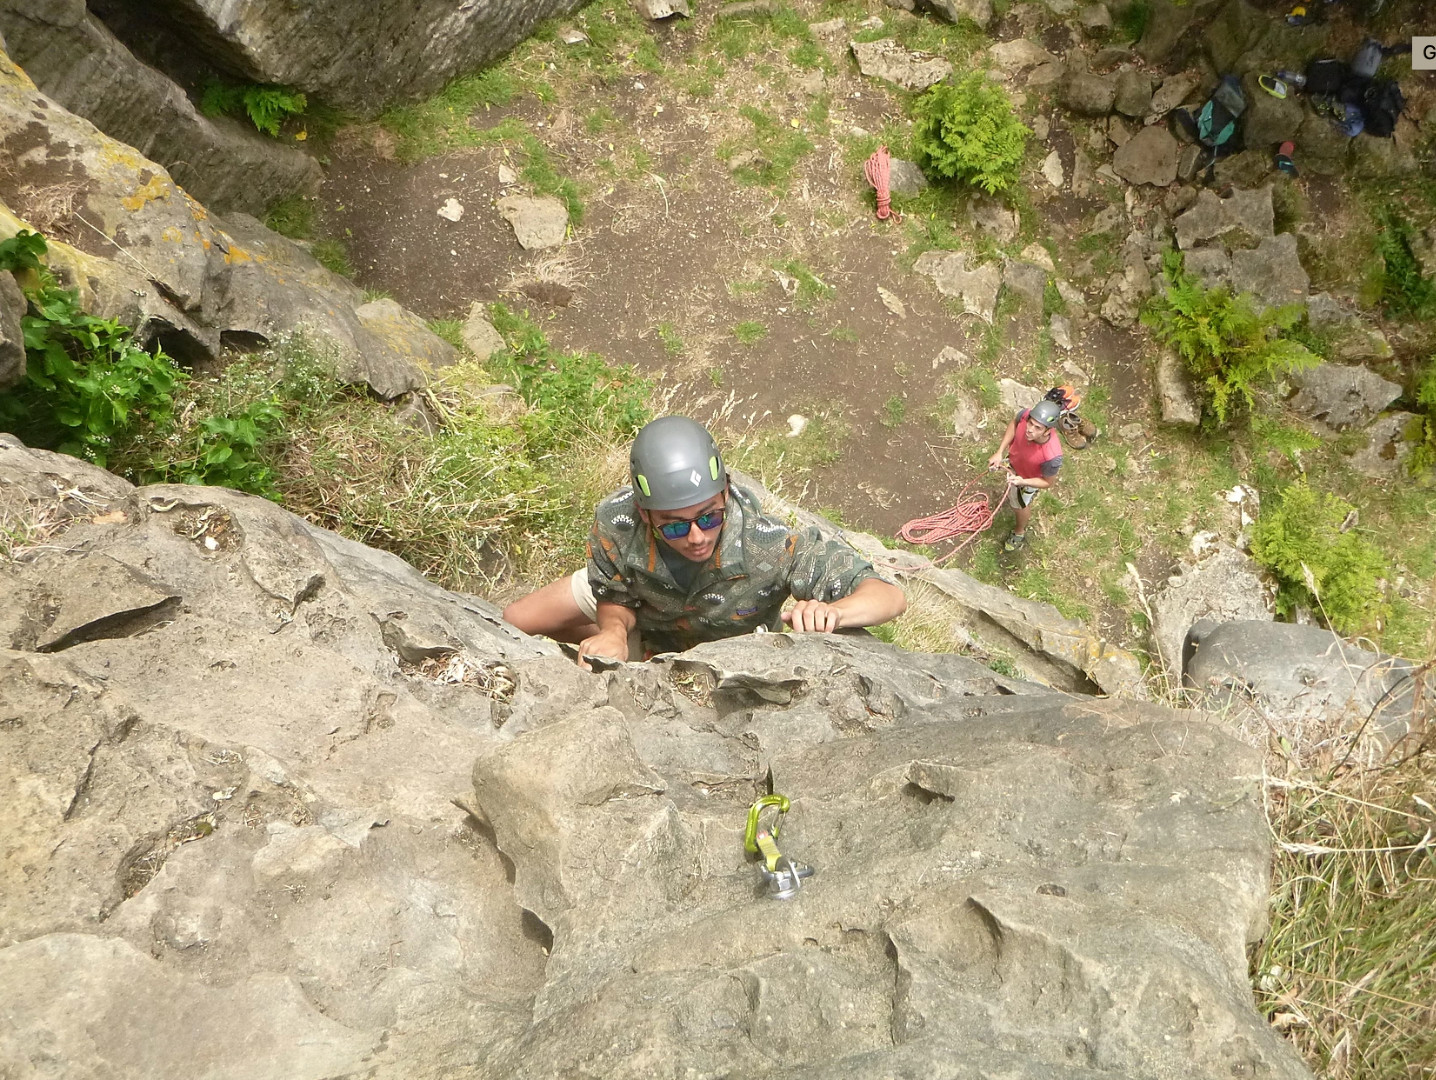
<point>894,411</point>
<point>1229,345</point>
<point>750,332</point>
<point>1132,22</point>
<point>266,106</point>
<point>87,384</point>
<point>969,133</point>
<point>1423,456</point>
<point>1306,539</point>
<point>1404,290</point>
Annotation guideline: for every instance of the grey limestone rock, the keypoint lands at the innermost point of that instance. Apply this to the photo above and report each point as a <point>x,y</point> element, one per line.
<point>360,57</point>
<point>1269,121</point>
<point>662,9</point>
<point>1221,585</point>
<point>1388,445</point>
<point>993,217</point>
<point>906,178</point>
<point>1017,55</point>
<point>975,286</point>
<point>1210,216</point>
<point>1026,279</point>
<point>1088,95</point>
<point>1095,19</point>
<point>886,59</point>
<point>1303,675</point>
<point>1174,90</point>
<point>1165,26</point>
<point>1341,396</point>
<point>1150,157</point>
<point>1176,398</point>
<point>1272,271</point>
<point>976,11</point>
<point>1134,93</point>
<point>78,62</point>
<point>539,221</point>
<point>1324,150</point>
<point>479,334</point>
<point>12,340</point>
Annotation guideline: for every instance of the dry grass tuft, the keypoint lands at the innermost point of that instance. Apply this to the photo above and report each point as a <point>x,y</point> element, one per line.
<point>1348,967</point>
<point>50,209</point>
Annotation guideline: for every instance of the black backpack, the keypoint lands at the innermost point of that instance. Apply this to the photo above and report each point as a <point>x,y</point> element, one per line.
<point>1381,105</point>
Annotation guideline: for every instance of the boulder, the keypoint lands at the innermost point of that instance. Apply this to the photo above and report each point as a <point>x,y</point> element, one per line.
<point>976,11</point>
<point>539,221</point>
<point>1174,91</point>
<point>1149,158</point>
<point>994,217</point>
<point>1060,327</point>
<point>1322,148</point>
<point>1389,440</point>
<point>1134,93</point>
<point>661,9</point>
<point>1189,161</point>
<point>1359,343</point>
<point>1119,131</point>
<point>13,306</point>
<point>1376,157</point>
<point>1126,289</point>
<point>1017,55</point>
<point>1232,36</point>
<point>1110,58</point>
<point>479,334</point>
<point>1269,121</point>
<point>1046,76</point>
<point>1165,26</point>
<point>1288,678</point>
<point>358,57</point>
<point>886,59</point>
<point>1175,395</point>
<point>906,178</point>
<point>1095,19</point>
<point>1325,311</point>
<point>1272,272</point>
<point>1222,584</point>
<point>1088,95</point>
<point>79,63</point>
<point>1052,170</point>
<point>1341,396</point>
<point>1026,279</point>
<point>405,334</point>
<point>1210,216</point>
<point>1015,396</point>
<point>326,819</point>
<point>975,286</point>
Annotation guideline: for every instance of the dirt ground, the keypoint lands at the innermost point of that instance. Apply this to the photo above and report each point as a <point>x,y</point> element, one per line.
<point>677,249</point>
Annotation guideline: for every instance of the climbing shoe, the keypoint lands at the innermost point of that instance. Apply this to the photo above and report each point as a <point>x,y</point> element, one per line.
<point>1284,163</point>
<point>1297,16</point>
<point>1015,542</point>
<point>1272,85</point>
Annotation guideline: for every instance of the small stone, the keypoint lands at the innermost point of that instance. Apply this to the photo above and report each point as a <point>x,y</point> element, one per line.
<point>661,9</point>
<point>1052,170</point>
<point>479,334</point>
<point>572,35</point>
<point>892,303</point>
<point>1041,128</point>
<point>796,425</point>
<point>1037,254</point>
<point>507,176</point>
<point>1061,331</point>
<point>950,355</point>
<point>452,210</point>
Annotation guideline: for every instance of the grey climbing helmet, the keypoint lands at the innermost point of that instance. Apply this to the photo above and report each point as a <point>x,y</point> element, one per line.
<point>1045,413</point>
<point>675,463</point>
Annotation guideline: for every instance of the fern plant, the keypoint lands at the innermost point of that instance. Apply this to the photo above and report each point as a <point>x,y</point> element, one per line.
<point>1303,537</point>
<point>266,106</point>
<point>1423,457</point>
<point>969,133</point>
<point>1231,347</point>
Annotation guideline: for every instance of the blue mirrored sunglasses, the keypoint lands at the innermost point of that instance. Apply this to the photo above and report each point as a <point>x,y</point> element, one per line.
<point>677,530</point>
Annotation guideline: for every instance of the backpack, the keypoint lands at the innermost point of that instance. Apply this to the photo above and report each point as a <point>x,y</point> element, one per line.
<point>1217,124</point>
<point>1325,78</point>
<point>1381,104</point>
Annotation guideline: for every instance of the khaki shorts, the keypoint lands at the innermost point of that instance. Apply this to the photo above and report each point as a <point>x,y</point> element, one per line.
<point>1018,497</point>
<point>583,594</point>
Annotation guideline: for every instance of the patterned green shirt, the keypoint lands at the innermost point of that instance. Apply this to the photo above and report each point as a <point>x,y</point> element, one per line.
<point>759,562</point>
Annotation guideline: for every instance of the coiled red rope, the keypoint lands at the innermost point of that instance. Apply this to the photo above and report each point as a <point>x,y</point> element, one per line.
<point>878,170</point>
<point>970,517</point>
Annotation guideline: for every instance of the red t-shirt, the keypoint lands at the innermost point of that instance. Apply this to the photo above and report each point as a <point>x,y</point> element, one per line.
<point>1032,460</point>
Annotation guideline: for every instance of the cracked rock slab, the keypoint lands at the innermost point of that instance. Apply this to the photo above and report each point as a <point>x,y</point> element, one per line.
<point>886,59</point>
<point>976,287</point>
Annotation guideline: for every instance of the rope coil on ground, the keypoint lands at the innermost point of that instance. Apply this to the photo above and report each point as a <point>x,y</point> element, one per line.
<point>878,170</point>
<point>972,516</point>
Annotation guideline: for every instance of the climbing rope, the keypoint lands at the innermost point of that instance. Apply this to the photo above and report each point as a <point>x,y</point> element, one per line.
<point>969,516</point>
<point>878,170</point>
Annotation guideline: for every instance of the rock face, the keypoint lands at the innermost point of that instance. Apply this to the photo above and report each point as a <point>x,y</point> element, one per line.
<point>78,62</point>
<point>976,287</point>
<point>886,59</point>
<point>1150,157</point>
<point>145,253</point>
<point>1341,396</point>
<point>232,819</point>
<point>12,338</point>
<point>1304,675</point>
<point>1223,585</point>
<point>360,57</point>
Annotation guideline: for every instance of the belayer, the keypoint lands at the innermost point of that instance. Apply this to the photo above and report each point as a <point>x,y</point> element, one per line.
<point>682,555</point>
<point>1034,456</point>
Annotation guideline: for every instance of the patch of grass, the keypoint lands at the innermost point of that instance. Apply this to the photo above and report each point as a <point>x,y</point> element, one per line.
<point>292,217</point>
<point>443,122</point>
<point>599,120</point>
<point>672,341</point>
<point>843,333</point>
<point>811,289</point>
<point>700,77</point>
<point>894,411</point>
<point>1347,968</point>
<point>782,462</point>
<point>739,289</point>
<point>1131,24</point>
<point>452,331</point>
<point>981,381</point>
<point>715,377</point>
<point>749,332</point>
<point>1404,290</point>
<point>370,295</point>
<point>779,148</point>
<point>333,255</point>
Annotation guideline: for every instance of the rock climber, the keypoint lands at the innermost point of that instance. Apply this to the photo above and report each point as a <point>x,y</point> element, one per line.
<point>1034,455</point>
<point>681,555</point>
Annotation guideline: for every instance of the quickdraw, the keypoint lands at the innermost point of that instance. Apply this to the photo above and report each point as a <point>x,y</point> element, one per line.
<point>782,876</point>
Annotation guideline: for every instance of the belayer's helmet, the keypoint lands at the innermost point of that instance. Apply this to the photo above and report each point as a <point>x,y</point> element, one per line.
<point>675,463</point>
<point>1045,413</point>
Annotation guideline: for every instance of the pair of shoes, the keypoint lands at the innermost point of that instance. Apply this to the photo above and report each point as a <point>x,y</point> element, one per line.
<point>1015,542</point>
<point>1273,86</point>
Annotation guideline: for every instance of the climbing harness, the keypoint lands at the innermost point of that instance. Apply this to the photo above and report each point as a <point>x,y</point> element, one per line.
<point>878,170</point>
<point>781,875</point>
